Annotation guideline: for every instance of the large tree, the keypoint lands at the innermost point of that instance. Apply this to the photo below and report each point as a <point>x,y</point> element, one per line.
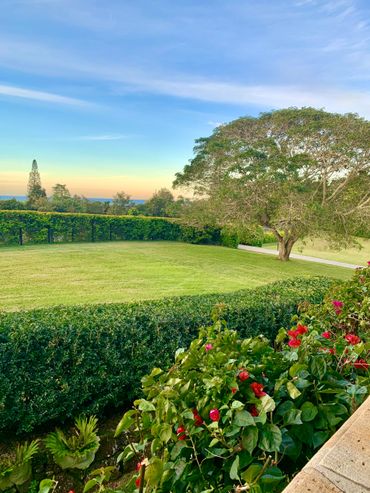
<point>294,171</point>
<point>35,192</point>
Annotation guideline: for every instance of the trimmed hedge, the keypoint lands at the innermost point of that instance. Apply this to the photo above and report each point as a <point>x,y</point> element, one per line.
<point>58,362</point>
<point>19,227</point>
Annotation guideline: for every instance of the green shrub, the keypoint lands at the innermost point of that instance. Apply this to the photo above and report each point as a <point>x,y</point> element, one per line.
<point>269,237</point>
<point>237,412</point>
<point>58,362</point>
<point>233,236</point>
<point>20,227</point>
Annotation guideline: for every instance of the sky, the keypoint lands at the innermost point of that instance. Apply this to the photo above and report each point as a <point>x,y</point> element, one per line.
<point>110,95</point>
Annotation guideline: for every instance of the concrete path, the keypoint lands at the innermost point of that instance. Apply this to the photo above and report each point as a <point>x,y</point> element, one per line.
<point>267,251</point>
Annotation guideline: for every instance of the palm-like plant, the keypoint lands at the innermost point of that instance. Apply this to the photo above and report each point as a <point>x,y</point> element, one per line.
<point>15,466</point>
<point>77,450</point>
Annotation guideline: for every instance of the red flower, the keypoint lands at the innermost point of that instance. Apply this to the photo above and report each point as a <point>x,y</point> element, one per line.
<point>243,375</point>
<point>208,347</point>
<point>293,333</point>
<point>137,482</point>
<point>254,411</point>
<point>301,329</point>
<point>361,364</point>
<point>326,334</point>
<point>214,414</point>
<point>332,350</point>
<point>197,418</point>
<point>368,262</point>
<point>352,339</point>
<point>181,433</point>
<point>337,304</point>
<point>234,390</point>
<point>257,389</point>
<point>294,342</point>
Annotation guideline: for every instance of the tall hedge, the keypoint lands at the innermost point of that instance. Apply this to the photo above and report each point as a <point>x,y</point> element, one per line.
<point>20,227</point>
<point>58,362</point>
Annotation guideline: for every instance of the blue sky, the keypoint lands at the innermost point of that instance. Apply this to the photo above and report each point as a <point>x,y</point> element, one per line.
<point>110,95</point>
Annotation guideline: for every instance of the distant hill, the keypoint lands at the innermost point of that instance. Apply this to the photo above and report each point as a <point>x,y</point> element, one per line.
<point>23,198</point>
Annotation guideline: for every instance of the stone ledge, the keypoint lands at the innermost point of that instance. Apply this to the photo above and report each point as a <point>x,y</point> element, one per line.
<point>342,465</point>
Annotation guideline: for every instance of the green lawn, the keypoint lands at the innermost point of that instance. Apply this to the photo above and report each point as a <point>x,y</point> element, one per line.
<point>319,248</point>
<point>41,275</point>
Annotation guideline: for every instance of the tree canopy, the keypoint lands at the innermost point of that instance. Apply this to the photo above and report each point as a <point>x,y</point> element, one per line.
<point>294,171</point>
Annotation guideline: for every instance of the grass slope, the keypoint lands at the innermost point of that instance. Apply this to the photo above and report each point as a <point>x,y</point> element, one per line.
<point>319,248</point>
<point>44,275</point>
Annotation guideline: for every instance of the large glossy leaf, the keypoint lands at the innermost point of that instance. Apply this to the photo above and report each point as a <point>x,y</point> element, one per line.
<point>270,438</point>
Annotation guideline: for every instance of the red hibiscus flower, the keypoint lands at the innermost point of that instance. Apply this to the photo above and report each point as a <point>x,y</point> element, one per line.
<point>361,364</point>
<point>301,329</point>
<point>352,339</point>
<point>294,342</point>
<point>234,390</point>
<point>257,389</point>
<point>197,418</point>
<point>326,335</point>
<point>214,414</point>
<point>137,482</point>
<point>181,433</point>
<point>243,375</point>
<point>293,333</point>
<point>254,411</point>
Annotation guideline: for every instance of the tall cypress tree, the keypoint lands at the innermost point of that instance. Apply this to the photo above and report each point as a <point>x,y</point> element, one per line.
<point>34,190</point>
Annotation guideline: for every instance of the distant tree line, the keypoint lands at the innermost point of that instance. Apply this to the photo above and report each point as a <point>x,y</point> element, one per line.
<point>161,204</point>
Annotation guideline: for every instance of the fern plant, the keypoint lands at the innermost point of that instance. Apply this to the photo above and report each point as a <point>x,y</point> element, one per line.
<point>15,466</point>
<point>77,450</point>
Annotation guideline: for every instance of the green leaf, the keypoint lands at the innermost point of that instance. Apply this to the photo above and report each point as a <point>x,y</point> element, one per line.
<point>165,432</point>
<point>237,405</point>
<point>309,411</point>
<point>319,437</point>
<point>296,368</point>
<point>318,367</point>
<point>289,446</point>
<point>272,476</point>
<point>250,438</point>
<point>154,472</point>
<point>293,417</point>
<point>270,438</point>
<point>268,403</point>
<point>125,423</point>
<point>47,485</point>
<point>144,405</point>
<point>251,473</point>
<point>292,390</point>
<point>243,418</point>
<point>234,469</point>
<point>90,484</point>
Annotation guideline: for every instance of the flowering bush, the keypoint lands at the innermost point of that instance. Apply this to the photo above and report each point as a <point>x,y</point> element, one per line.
<point>235,415</point>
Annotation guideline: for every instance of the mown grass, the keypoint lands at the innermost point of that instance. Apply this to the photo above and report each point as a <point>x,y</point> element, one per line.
<point>320,248</point>
<point>44,275</point>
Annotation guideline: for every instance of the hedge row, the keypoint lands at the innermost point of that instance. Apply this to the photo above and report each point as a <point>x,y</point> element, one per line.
<point>19,227</point>
<point>58,362</point>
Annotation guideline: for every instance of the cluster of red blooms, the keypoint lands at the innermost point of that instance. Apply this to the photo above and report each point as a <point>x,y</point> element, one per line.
<point>294,341</point>
<point>352,339</point>
<point>214,414</point>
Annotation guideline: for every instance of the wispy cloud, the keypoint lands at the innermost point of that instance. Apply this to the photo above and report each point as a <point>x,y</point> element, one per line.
<point>48,97</point>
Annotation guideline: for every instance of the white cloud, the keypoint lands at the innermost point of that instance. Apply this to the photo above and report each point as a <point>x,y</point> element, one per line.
<point>19,92</point>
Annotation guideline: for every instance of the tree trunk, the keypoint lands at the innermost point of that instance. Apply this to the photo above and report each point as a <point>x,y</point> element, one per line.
<point>285,248</point>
